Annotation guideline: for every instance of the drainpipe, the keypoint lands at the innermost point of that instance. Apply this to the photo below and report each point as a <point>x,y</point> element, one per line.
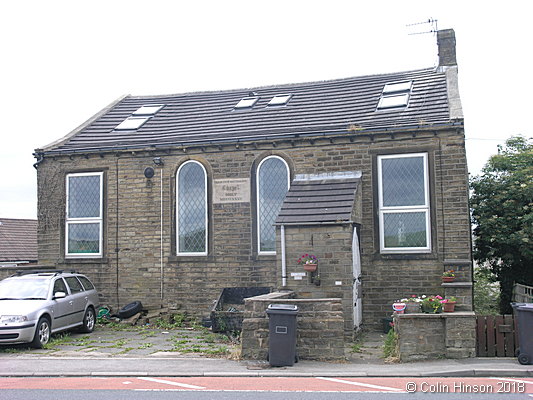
<point>283,263</point>
<point>161,233</point>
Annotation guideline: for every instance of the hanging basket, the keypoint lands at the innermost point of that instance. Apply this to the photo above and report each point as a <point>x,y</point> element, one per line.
<point>310,267</point>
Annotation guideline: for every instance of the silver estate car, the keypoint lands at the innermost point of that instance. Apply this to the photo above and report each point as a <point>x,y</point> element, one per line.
<point>33,305</point>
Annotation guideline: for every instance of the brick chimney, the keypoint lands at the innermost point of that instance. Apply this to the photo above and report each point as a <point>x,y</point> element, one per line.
<point>448,65</point>
<point>446,44</point>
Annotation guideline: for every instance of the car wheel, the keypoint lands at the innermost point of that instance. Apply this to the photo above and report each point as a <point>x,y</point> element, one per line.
<point>89,320</point>
<point>129,310</point>
<point>42,333</point>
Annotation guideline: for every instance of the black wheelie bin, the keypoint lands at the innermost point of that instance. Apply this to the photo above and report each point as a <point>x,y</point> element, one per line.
<point>282,334</point>
<point>524,313</point>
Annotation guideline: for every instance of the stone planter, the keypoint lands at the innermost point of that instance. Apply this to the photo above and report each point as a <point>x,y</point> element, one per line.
<point>412,308</point>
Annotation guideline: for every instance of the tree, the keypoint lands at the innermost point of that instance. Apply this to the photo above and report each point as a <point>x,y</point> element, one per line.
<point>502,214</point>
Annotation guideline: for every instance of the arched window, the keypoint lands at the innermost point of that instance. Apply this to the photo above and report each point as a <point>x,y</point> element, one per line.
<point>272,185</point>
<point>191,213</point>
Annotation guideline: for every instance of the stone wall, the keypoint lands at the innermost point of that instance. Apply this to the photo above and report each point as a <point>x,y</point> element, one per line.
<point>320,327</point>
<point>132,269</point>
<point>429,336</point>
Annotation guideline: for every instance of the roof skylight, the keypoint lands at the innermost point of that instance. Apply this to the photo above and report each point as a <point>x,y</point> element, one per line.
<point>280,100</point>
<point>399,100</point>
<point>395,95</point>
<point>247,102</point>
<point>150,109</point>
<point>132,123</point>
<point>398,87</point>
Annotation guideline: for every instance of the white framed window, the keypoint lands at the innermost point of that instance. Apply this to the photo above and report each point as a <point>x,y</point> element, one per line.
<point>273,180</point>
<point>191,213</point>
<point>403,195</point>
<point>84,215</point>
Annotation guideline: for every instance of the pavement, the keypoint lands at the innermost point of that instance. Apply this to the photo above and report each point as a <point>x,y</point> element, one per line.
<point>159,352</point>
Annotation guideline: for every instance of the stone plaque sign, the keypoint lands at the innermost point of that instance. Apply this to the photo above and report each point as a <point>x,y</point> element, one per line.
<point>231,191</point>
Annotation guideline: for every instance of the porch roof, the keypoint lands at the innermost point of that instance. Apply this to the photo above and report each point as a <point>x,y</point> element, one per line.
<point>320,199</point>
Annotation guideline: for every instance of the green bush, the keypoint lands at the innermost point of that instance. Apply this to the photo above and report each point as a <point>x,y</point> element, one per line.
<point>486,292</point>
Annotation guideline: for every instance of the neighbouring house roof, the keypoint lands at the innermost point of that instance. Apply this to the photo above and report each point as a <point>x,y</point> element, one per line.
<point>338,106</point>
<point>18,240</point>
<point>320,199</point>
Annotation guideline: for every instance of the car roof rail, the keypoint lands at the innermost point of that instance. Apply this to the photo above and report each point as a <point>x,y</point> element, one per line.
<point>21,272</point>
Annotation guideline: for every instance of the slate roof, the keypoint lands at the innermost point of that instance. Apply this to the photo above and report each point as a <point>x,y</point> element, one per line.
<point>316,108</point>
<point>18,240</point>
<point>320,199</point>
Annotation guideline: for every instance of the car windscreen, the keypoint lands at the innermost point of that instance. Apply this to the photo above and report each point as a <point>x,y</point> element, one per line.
<point>24,289</point>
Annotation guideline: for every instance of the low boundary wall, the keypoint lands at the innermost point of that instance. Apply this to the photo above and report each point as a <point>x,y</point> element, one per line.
<point>320,327</point>
<point>430,336</point>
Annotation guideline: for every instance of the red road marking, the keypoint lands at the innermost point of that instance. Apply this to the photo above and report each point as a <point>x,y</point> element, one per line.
<point>277,384</point>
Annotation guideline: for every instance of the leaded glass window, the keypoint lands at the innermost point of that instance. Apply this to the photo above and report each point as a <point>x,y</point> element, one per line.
<point>83,227</point>
<point>272,186</point>
<point>404,216</point>
<point>192,209</point>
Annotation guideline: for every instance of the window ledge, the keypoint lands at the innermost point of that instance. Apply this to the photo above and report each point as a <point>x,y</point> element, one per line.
<point>263,257</point>
<point>203,258</point>
<point>99,260</point>
<point>405,256</point>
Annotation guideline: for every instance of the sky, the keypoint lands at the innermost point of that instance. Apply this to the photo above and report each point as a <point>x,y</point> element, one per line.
<point>63,61</point>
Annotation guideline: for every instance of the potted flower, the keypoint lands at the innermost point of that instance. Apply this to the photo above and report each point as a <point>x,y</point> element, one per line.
<point>431,304</point>
<point>398,307</point>
<point>412,304</point>
<point>309,261</point>
<point>448,276</point>
<point>448,304</point>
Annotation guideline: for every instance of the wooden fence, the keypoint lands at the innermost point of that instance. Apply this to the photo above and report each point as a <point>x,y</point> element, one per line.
<point>522,293</point>
<point>497,336</point>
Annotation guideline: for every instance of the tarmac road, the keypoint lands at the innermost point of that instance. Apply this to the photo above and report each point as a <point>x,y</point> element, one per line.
<point>262,388</point>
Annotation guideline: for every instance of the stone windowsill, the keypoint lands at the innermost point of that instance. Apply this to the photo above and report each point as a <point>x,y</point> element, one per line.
<point>457,284</point>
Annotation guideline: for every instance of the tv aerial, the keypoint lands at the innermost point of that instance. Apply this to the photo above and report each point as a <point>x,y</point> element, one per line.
<point>432,27</point>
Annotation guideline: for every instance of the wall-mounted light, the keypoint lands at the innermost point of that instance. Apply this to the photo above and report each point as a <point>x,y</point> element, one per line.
<point>158,161</point>
<point>149,172</point>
